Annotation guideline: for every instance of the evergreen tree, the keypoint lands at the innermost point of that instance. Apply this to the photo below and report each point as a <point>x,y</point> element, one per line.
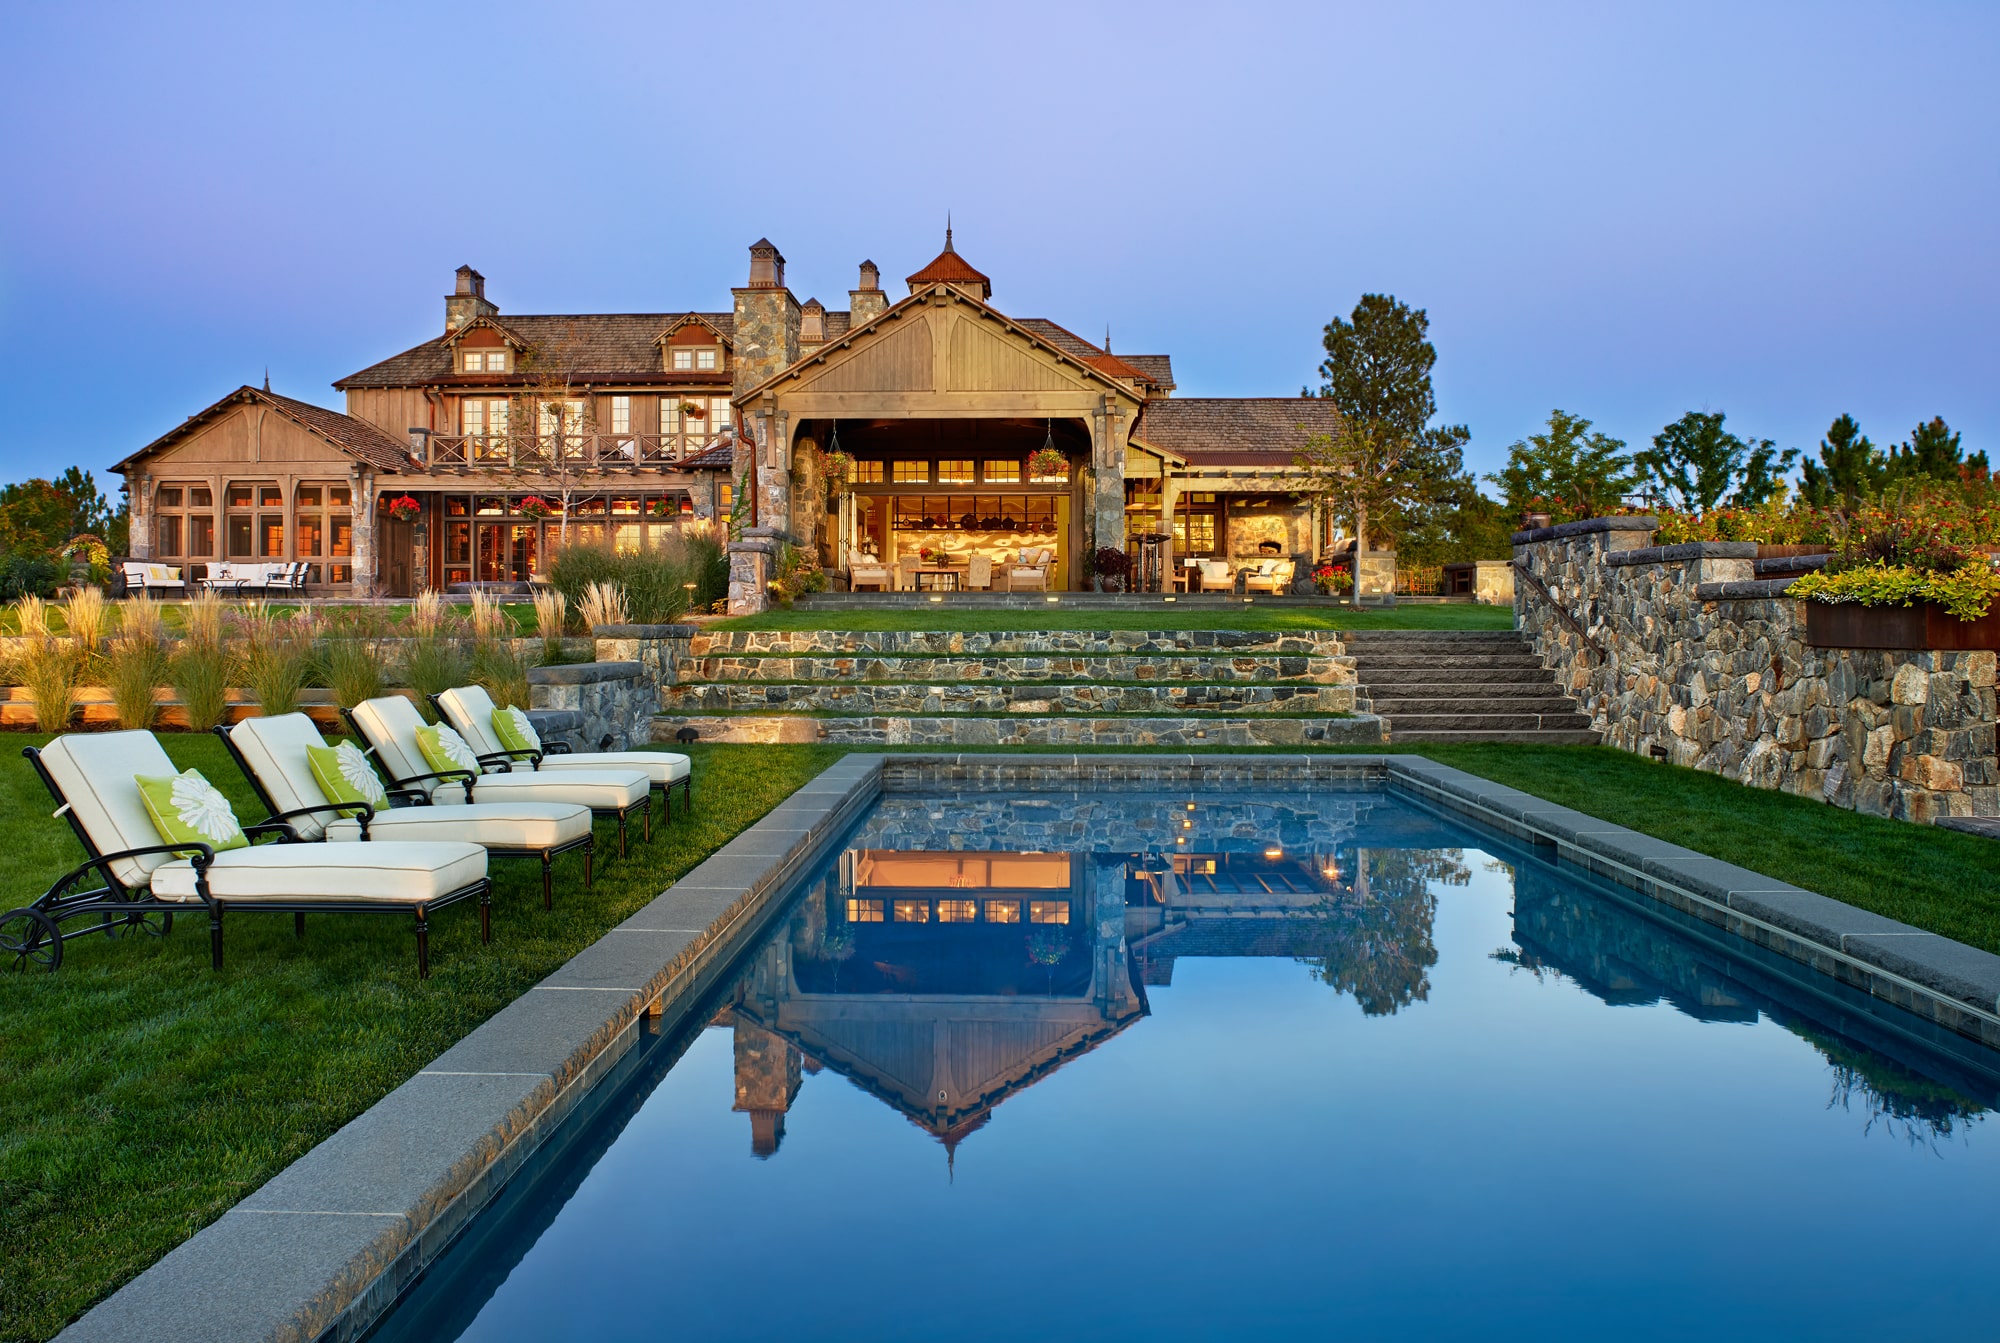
<point>1849,468</point>
<point>1697,462</point>
<point>1933,453</point>
<point>1568,471</point>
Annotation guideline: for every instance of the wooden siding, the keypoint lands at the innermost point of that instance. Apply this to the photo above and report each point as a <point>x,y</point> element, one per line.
<point>250,436</point>
<point>983,360</point>
<point>394,410</point>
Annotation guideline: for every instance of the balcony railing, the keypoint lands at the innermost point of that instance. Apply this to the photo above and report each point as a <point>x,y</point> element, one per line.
<point>543,452</point>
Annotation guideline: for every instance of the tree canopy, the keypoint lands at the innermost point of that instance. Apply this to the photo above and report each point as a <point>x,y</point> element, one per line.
<point>38,515</point>
<point>1568,471</point>
<point>1697,462</point>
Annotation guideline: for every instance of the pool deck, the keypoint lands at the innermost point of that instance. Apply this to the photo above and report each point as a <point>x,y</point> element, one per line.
<point>331,1242</point>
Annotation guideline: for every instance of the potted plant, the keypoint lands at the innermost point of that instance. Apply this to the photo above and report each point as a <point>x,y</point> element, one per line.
<point>839,471</point>
<point>1330,580</point>
<point>534,506</point>
<point>1900,584</point>
<point>1109,564</point>
<point>403,507</point>
<point>1047,464</point>
<point>694,410</point>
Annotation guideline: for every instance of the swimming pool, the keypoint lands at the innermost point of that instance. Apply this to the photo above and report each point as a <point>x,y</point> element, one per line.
<point>1176,1065</point>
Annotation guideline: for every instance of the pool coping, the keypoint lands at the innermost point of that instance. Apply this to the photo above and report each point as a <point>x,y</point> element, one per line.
<point>327,1246</point>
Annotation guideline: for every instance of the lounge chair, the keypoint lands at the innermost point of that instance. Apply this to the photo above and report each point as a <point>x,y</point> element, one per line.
<point>1272,576</point>
<point>1217,576</point>
<point>93,777</point>
<point>469,709</point>
<point>389,726</point>
<point>272,753</point>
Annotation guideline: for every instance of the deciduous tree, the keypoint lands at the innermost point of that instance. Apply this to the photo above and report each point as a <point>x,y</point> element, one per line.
<point>1697,463</point>
<point>1569,470</point>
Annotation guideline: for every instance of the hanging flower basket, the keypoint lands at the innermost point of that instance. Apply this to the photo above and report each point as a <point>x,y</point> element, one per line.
<point>534,506</point>
<point>1044,463</point>
<point>839,471</point>
<point>403,508</point>
<point>694,410</point>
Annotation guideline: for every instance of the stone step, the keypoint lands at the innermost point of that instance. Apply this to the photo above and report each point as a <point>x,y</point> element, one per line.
<point>1053,641</point>
<point>890,697</point>
<point>1400,638</point>
<point>1541,700</point>
<point>1502,687</point>
<point>973,730</point>
<point>1366,665</point>
<point>1550,737</point>
<point>1203,668</point>
<point>1400,725</point>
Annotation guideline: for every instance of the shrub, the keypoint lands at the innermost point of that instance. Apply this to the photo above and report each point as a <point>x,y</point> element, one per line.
<point>136,666</point>
<point>205,615</point>
<point>500,669</point>
<point>140,618</point>
<point>604,604</point>
<point>798,573</point>
<point>708,561</point>
<point>488,621</point>
<point>1967,592</point>
<point>427,615</point>
<point>652,582</point>
<point>29,576</point>
<point>199,674</point>
<point>277,659</point>
<point>1110,561</point>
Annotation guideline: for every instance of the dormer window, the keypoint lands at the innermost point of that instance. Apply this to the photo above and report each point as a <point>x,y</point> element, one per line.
<point>483,361</point>
<point>703,358</point>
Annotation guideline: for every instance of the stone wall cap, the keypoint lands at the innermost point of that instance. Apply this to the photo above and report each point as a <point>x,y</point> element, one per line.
<point>1753,589</point>
<point>585,673</point>
<point>556,720</point>
<point>1686,550</point>
<point>754,545</point>
<point>644,631</point>
<point>1636,522</point>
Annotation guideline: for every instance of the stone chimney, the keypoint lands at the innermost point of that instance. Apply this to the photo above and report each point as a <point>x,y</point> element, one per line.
<point>467,300</point>
<point>812,322</point>
<point>867,302</point>
<point>767,320</point>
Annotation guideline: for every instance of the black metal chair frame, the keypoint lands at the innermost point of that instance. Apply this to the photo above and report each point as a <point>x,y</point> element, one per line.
<point>644,806</point>
<point>119,908</point>
<point>664,791</point>
<point>410,797</point>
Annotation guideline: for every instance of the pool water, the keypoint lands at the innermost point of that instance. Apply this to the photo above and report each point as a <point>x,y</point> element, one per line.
<point>1152,1066</point>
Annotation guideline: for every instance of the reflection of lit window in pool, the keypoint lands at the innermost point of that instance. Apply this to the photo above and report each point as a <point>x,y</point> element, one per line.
<point>864,911</point>
<point>1003,911</point>
<point>957,911</point>
<point>1048,911</point>
<point>913,911</point>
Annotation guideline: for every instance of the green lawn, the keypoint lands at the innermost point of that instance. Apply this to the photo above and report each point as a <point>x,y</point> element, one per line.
<point>142,1094</point>
<point>1070,616</point>
<point>173,614</point>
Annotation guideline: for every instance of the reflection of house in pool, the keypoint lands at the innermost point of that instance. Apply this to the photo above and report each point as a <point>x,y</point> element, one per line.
<point>943,977</point>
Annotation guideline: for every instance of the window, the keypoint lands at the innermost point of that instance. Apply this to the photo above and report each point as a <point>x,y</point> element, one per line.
<point>200,536</point>
<point>1048,911</point>
<point>868,473</point>
<point>239,537</point>
<point>1194,533</point>
<point>725,496</point>
<point>687,423</point>
<point>913,911</point>
<point>704,358</point>
<point>911,473</point>
<point>562,427</point>
<point>178,533</point>
<point>957,911</point>
<point>170,496</point>
<point>621,414</point>
<point>864,911</point>
<point>485,361</point>
<point>244,532</point>
<point>1002,473</point>
<point>167,537</point>
<point>683,359</point>
<point>324,516</point>
<point>1003,911</point>
<point>954,473</point>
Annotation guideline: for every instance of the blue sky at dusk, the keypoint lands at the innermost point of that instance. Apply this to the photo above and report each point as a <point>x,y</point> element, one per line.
<point>1782,211</point>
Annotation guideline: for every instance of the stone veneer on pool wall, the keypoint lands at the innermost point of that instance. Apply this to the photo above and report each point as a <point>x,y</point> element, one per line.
<point>1688,654</point>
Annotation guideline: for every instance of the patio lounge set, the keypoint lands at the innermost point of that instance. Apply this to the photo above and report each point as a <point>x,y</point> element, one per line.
<point>337,838</point>
<point>230,576</point>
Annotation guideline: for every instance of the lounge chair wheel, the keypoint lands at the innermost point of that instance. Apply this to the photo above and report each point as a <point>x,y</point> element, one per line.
<point>29,939</point>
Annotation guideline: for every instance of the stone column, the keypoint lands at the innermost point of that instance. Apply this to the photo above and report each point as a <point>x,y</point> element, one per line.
<point>1107,450</point>
<point>767,1079</point>
<point>808,490</point>
<point>363,485</point>
<point>750,571</point>
<point>139,495</point>
<point>1170,497</point>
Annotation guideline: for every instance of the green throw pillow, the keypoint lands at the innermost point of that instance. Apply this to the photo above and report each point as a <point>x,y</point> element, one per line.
<point>187,808</point>
<point>444,750</point>
<point>344,775</point>
<point>514,730</point>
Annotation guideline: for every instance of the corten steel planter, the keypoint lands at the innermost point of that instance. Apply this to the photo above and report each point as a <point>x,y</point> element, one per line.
<point>1926,625</point>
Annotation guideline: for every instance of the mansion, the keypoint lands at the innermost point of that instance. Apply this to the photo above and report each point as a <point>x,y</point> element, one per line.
<point>960,431</point>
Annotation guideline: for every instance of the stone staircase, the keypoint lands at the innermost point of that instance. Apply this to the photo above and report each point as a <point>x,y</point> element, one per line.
<point>1453,685</point>
<point>998,688</point>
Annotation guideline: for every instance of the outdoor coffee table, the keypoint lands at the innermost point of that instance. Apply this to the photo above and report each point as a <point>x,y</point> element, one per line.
<point>940,578</point>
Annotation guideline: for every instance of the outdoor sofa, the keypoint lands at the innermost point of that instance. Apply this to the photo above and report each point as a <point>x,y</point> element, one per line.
<point>141,576</point>
<point>94,777</point>
<point>237,577</point>
<point>470,710</point>
<point>389,726</point>
<point>275,756</point>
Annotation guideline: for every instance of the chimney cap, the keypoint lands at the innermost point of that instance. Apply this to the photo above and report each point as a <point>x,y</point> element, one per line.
<point>814,305</point>
<point>471,282</point>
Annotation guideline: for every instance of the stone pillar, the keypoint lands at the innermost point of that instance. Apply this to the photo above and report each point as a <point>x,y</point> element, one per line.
<point>1107,494</point>
<point>750,562</point>
<point>1170,497</point>
<point>1111,978</point>
<point>364,533</point>
<point>774,469</point>
<point>139,495</point>
<point>808,490</point>
<point>767,1080</point>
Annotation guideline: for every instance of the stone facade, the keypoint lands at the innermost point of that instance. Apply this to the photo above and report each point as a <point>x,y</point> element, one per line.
<point>616,699</point>
<point>1054,730</point>
<point>1685,655</point>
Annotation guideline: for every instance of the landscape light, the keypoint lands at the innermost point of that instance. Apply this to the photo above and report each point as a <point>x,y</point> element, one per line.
<point>1274,853</point>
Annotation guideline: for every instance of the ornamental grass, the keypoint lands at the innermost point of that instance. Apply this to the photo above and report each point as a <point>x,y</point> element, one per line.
<point>85,615</point>
<point>135,667</point>
<point>498,668</point>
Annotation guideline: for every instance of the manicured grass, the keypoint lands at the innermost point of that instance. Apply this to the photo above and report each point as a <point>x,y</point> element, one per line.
<point>173,614</point>
<point>142,1094</point>
<point>1072,616</point>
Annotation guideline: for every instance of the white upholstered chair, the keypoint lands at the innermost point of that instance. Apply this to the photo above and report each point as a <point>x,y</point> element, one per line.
<point>867,571</point>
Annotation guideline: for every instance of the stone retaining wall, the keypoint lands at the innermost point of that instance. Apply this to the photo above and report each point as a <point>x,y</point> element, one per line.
<point>616,701</point>
<point>975,643</point>
<point>895,697</point>
<point>1688,655</point>
<point>1052,730</point>
<point>1199,668</point>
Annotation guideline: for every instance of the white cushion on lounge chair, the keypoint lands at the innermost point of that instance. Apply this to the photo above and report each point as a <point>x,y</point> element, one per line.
<point>408,874</point>
<point>276,750</point>
<point>95,771</point>
<point>470,709</point>
<point>391,722</point>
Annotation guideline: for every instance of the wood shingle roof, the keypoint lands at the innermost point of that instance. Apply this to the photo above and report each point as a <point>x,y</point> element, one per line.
<point>609,346</point>
<point>1235,430</point>
<point>356,438</point>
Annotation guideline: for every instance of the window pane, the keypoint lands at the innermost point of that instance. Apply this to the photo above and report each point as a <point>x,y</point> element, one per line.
<point>170,537</point>
<point>683,358</point>
<point>670,416</point>
<point>1003,911</point>
<point>496,417</point>
<point>343,538</point>
<point>625,503</point>
<point>239,537</point>
<point>200,496</point>
<point>868,473</point>
<point>625,538</point>
<point>308,496</point>
<point>270,496</point>
<point>456,506</point>
<point>201,536</point>
<point>718,415</point>
<point>954,473</point>
<point>239,496</point>
<point>340,496</point>
<point>491,504</point>
<point>957,911</point>
<point>1048,911</point>
<point>621,414</point>
<point>170,496</point>
<point>457,543</point>
<point>704,359</point>
<point>309,534</point>
<point>912,472</point>
<point>1003,472</point>
<point>271,532</point>
<point>864,911</point>
<point>472,416</point>
<point>913,911</point>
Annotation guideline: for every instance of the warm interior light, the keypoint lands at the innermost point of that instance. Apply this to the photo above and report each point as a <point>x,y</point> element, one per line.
<point>1190,806</point>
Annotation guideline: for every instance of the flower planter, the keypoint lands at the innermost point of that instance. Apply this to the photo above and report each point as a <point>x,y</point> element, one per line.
<point>1851,625</point>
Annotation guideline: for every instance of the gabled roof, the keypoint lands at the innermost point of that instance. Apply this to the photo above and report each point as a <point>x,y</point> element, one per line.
<point>1235,431</point>
<point>457,333</point>
<point>1154,368</point>
<point>610,345</point>
<point>697,319</point>
<point>356,438</point>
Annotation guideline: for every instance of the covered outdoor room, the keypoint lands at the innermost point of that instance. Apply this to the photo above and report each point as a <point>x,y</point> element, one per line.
<point>929,499</point>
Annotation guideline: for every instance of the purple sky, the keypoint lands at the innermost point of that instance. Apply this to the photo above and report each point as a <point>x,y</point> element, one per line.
<point>1779,211</point>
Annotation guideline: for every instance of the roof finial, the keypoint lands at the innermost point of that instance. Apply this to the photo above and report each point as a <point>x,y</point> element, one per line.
<point>1107,338</point>
<point>947,230</point>
<point>267,377</point>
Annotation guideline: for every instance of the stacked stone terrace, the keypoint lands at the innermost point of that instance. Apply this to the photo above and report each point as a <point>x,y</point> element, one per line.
<point>1000,688</point>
